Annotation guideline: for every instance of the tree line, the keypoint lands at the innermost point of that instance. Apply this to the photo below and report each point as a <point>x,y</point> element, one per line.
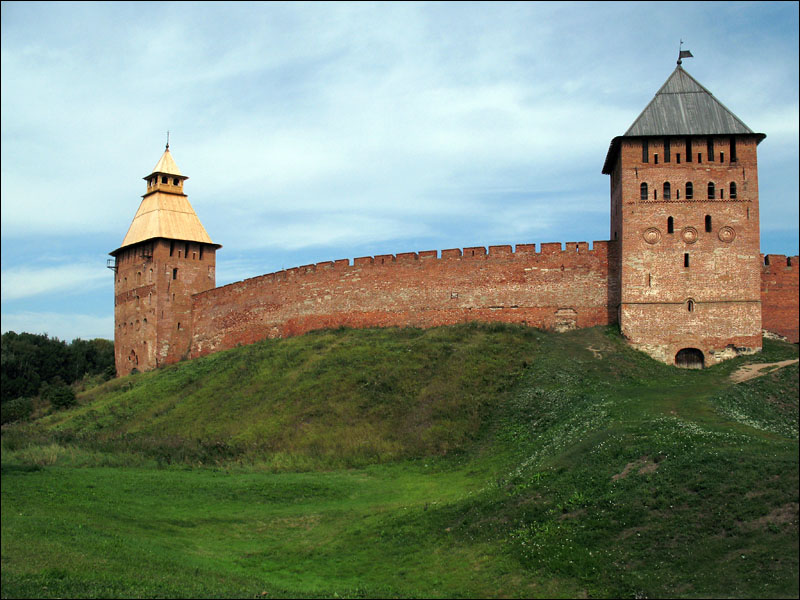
<point>37,365</point>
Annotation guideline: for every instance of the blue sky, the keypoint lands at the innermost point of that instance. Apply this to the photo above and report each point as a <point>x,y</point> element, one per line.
<point>321,131</point>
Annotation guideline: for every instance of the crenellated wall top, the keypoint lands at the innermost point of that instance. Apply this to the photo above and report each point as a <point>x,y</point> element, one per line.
<point>775,262</point>
<point>545,251</point>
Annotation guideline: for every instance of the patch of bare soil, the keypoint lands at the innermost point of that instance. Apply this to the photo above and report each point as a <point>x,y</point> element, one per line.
<point>752,370</point>
<point>594,351</point>
<point>644,466</point>
<point>786,514</point>
<point>575,514</point>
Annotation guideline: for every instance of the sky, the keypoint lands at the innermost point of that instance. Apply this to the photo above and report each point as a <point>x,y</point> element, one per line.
<point>320,131</point>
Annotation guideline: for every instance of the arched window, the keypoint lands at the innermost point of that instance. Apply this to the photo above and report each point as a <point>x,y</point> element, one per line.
<point>164,179</point>
<point>643,191</point>
<point>667,191</point>
<point>732,191</point>
<point>690,305</point>
<point>689,190</point>
<point>670,225</point>
<point>645,151</point>
<point>711,190</point>
<point>708,223</point>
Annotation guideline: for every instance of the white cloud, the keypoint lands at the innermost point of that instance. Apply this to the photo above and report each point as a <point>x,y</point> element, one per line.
<point>327,230</point>
<point>30,280</point>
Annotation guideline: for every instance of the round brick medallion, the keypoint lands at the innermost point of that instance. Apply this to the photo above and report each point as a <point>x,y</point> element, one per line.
<point>689,235</point>
<point>726,234</point>
<point>652,235</point>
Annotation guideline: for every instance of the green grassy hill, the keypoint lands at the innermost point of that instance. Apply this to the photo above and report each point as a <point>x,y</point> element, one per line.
<point>466,461</point>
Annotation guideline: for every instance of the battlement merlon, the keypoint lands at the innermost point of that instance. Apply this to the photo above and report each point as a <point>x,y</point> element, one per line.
<point>548,250</point>
<point>770,262</point>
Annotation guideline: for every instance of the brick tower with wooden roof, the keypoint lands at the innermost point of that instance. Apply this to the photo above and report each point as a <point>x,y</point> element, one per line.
<point>684,211</point>
<point>165,258</point>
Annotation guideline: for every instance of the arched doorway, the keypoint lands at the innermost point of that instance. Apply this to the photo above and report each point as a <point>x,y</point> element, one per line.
<point>690,358</point>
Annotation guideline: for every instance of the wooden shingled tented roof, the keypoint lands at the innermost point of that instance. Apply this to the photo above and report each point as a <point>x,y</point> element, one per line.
<point>682,107</point>
<point>166,164</point>
<point>165,214</point>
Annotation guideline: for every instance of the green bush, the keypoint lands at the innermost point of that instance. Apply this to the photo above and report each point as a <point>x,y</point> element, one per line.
<point>15,410</point>
<point>60,395</point>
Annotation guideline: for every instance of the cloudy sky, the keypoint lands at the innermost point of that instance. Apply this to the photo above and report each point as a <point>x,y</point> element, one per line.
<point>321,131</point>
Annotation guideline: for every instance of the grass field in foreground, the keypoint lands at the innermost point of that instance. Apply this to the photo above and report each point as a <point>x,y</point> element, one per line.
<point>549,465</point>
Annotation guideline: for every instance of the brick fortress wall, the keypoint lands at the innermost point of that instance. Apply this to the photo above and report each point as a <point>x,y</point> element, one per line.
<point>554,288</point>
<point>780,289</point>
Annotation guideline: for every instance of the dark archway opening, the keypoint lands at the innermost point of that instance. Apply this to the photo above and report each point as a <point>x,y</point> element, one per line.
<point>690,358</point>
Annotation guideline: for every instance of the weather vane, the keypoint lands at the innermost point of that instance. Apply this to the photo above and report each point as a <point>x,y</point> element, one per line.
<point>167,139</point>
<point>683,53</point>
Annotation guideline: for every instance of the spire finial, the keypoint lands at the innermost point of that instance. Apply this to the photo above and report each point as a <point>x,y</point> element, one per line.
<point>167,139</point>
<point>683,53</point>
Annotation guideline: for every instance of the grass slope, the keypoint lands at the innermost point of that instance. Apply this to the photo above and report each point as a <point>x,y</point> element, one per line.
<point>468,461</point>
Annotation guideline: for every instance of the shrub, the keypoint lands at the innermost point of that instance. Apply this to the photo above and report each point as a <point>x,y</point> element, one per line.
<point>60,395</point>
<point>16,410</point>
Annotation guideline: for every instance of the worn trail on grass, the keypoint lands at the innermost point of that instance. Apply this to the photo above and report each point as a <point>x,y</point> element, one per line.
<point>752,370</point>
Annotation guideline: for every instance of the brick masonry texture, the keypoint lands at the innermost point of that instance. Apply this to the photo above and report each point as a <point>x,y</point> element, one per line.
<point>554,288</point>
<point>779,296</point>
<point>154,285</point>
<point>690,268</point>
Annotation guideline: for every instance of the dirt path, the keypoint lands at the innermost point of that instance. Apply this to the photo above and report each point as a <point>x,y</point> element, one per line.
<point>746,372</point>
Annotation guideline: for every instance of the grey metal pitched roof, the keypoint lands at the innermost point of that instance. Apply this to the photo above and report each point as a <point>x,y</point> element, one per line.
<point>684,107</point>
<point>681,107</point>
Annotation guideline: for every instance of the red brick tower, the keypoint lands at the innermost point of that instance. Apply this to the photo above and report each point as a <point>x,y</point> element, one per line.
<point>684,210</point>
<point>165,258</point>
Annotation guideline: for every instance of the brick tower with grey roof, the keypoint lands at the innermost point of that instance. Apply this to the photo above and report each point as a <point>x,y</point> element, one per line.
<point>684,211</point>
